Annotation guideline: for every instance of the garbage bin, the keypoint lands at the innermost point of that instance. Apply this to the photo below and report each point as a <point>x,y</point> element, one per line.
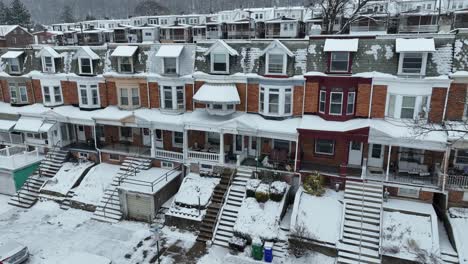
<point>257,251</point>
<point>268,251</point>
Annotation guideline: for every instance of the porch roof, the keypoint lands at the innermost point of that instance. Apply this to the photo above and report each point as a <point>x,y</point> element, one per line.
<point>310,122</point>
<point>156,119</point>
<point>72,115</point>
<point>112,115</point>
<point>6,125</point>
<point>12,54</point>
<point>33,125</point>
<point>224,93</point>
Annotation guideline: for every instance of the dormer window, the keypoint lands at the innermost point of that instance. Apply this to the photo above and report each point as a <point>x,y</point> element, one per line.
<point>339,62</point>
<point>413,55</point>
<point>340,54</point>
<point>13,62</point>
<point>125,64</point>
<point>86,66</point>
<point>14,65</point>
<point>170,66</point>
<point>48,64</point>
<point>276,58</point>
<point>48,56</point>
<point>219,63</point>
<point>169,55</point>
<point>125,56</point>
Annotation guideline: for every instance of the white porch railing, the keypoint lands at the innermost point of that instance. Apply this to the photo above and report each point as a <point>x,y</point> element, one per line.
<point>170,155</point>
<point>418,28</point>
<point>203,156</point>
<point>15,157</point>
<point>457,182</point>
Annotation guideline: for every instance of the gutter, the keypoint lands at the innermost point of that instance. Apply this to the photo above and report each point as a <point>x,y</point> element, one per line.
<point>95,143</point>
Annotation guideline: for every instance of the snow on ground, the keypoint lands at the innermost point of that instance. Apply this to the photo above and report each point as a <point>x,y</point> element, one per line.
<point>149,181</point>
<point>4,206</point>
<point>66,177</point>
<point>405,235</point>
<point>318,218</point>
<point>458,218</point>
<point>95,183</point>
<point>51,234</point>
<point>194,187</point>
<point>258,220</point>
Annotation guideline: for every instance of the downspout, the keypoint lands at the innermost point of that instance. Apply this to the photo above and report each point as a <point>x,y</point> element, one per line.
<point>303,96</point>
<point>95,142</point>
<point>246,95</point>
<point>148,93</point>
<point>371,98</point>
<point>297,150</point>
<point>445,104</point>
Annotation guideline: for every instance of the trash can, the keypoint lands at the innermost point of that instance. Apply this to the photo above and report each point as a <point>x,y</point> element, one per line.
<point>268,251</point>
<point>257,251</point>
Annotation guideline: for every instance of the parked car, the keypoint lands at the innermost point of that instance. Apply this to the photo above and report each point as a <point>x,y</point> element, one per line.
<point>12,252</point>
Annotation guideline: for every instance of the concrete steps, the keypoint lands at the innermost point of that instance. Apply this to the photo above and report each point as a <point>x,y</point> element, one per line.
<point>450,257</point>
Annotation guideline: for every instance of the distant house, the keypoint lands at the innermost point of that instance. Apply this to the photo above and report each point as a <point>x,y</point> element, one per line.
<point>15,36</point>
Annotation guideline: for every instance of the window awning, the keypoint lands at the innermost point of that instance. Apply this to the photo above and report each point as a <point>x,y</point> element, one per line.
<point>12,54</point>
<point>222,93</point>
<point>33,125</point>
<point>346,45</point>
<point>170,51</point>
<point>124,51</point>
<point>415,45</point>
<point>6,125</point>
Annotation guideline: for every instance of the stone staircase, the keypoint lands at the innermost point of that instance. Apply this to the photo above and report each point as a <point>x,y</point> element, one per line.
<point>361,230</point>
<point>231,206</point>
<point>208,223</point>
<point>28,195</point>
<point>280,249</point>
<point>450,257</point>
<point>108,209</point>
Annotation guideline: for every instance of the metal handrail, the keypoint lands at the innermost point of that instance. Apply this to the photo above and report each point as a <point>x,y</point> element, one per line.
<point>215,227</point>
<point>127,173</point>
<point>152,184</point>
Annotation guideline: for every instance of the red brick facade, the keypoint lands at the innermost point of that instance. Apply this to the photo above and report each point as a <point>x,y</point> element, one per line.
<point>252,98</point>
<point>311,97</point>
<point>456,101</point>
<point>242,90</point>
<point>69,92</point>
<point>362,100</point>
<point>437,105</point>
<point>298,99</point>
<point>379,98</point>
<point>154,95</point>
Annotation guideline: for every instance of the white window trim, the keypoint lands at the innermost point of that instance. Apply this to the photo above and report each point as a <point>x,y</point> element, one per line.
<point>164,66</point>
<point>17,88</point>
<point>175,105</point>
<point>212,62</point>
<point>44,68</point>
<point>423,64</point>
<point>10,62</point>
<point>52,94</point>
<point>330,104</point>
<point>267,64</point>
<point>91,63</point>
<point>281,101</point>
<point>331,62</point>
<point>130,99</point>
<point>324,153</point>
<point>174,144</point>
<point>131,63</point>
<point>324,101</point>
<point>223,111</point>
<point>89,96</point>
<point>399,104</point>
<point>354,103</point>
<point>129,139</point>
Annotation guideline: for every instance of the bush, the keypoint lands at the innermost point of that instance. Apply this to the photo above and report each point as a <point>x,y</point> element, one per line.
<point>261,194</point>
<point>313,184</point>
<point>251,186</point>
<point>238,243</point>
<point>277,190</point>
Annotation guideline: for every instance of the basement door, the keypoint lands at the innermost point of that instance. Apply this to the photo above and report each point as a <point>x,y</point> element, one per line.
<point>355,153</point>
<point>139,207</point>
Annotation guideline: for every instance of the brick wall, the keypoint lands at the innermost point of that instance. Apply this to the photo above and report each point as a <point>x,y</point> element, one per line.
<point>29,90</point>
<point>363,99</point>
<point>167,142</point>
<point>154,95</point>
<point>103,95</point>
<point>196,136</point>
<point>111,93</point>
<point>311,97</point>
<point>137,139</point>
<point>143,94</point>
<point>69,92</point>
<point>298,100</point>
<point>456,101</point>
<point>340,156</point>
<point>197,86</point>
<point>379,97</point>
<point>189,97</point>
<point>241,89</point>
<point>437,104</point>
<point>105,157</point>
<point>36,84</point>
<point>5,91</point>
<point>252,98</point>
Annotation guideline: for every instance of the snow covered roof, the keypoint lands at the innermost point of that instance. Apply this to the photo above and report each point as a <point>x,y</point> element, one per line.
<point>124,51</point>
<point>277,44</point>
<point>112,113</point>
<point>224,45</point>
<point>48,51</point>
<point>158,120</point>
<point>33,125</point>
<point>5,29</point>
<point>170,51</point>
<point>348,45</point>
<point>217,93</point>
<point>86,51</point>
<point>312,122</point>
<point>6,125</point>
<point>12,54</point>
<point>415,45</point>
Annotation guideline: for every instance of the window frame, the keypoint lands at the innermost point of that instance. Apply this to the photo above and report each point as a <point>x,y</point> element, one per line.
<point>129,96</point>
<point>394,106</point>
<point>131,63</point>
<point>44,64</point>
<point>332,153</point>
<point>331,103</point>
<point>164,66</point>
<point>174,143</point>
<point>422,70</point>
<point>352,102</point>
<point>174,91</point>
<point>14,62</point>
<point>17,88</point>
<point>347,61</point>
<point>80,66</point>
<point>265,94</point>
<point>88,88</point>
<point>124,138</point>
<point>52,95</point>
<point>212,58</point>
<point>324,93</point>
<point>267,64</point>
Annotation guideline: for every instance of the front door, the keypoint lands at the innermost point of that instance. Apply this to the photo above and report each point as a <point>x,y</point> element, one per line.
<point>355,153</point>
<point>158,137</point>
<point>238,144</point>
<point>375,155</point>
<point>253,146</point>
<point>80,133</point>
<point>146,137</point>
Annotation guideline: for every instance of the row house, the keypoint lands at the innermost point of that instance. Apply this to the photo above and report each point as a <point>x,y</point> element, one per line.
<point>307,105</point>
<point>15,36</point>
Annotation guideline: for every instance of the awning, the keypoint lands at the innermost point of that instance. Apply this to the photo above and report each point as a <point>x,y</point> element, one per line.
<point>6,125</point>
<point>346,45</point>
<point>170,51</point>
<point>223,93</point>
<point>33,125</point>
<point>415,45</point>
<point>124,51</point>
<point>12,54</point>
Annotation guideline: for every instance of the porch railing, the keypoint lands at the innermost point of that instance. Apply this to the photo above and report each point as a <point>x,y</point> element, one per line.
<point>205,156</point>
<point>13,157</point>
<point>457,182</point>
<point>151,185</point>
<point>171,155</point>
<point>367,28</point>
<point>418,28</point>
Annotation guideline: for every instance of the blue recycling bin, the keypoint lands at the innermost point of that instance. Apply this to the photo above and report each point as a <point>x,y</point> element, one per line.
<point>268,252</point>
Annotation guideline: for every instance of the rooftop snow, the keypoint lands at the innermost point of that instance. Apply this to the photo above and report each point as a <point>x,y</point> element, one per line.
<point>217,93</point>
<point>5,29</point>
<point>347,45</point>
<point>12,54</point>
<point>34,125</point>
<point>6,125</point>
<point>277,44</point>
<point>149,181</point>
<point>170,51</point>
<point>196,190</point>
<point>415,45</point>
<point>224,45</point>
<point>48,51</point>
<point>124,51</point>
<point>86,51</point>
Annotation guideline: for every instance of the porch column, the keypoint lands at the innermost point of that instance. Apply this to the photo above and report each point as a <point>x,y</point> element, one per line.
<point>296,161</point>
<point>388,162</point>
<point>221,147</point>
<point>153,144</point>
<point>344,164</point>
<point>185,145</point>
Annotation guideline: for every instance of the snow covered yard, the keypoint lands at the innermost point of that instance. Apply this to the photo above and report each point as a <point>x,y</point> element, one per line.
<point>193,187</point>
<point>94,184</point>
<point>66,177</point>
<point>318,218</point>
<point>458,218</point>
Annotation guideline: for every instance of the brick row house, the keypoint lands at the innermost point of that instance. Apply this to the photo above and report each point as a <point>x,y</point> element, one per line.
<point>350,108</point>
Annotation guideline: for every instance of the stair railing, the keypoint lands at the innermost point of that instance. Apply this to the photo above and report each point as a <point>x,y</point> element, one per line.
<point>225,196</point>
<point>120,180</point>
<point>362,221</point>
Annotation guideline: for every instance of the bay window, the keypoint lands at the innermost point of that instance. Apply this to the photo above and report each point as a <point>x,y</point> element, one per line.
<point>336,103</point>
<point>339,62</point>
<point>170,65</point>
<point>323,100</point>
<point>325,146</point>
<point>89,96</point>
<point>52,95</point>
<point>129,97</point>
<point>275,101</point>
<point>350,103</point>
<point>276,64</point>
<point>172,98</point>
<point>219,63</point>
<point>18,93</point>
<point>85,65</point>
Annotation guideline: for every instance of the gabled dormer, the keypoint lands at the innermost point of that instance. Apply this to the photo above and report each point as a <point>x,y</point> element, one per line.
<point>125,56</point>
<point>220,53</point>
<point>13,60</point>
<point>49,59</point>
<point>170,57</point>
<point>276,58</point>
<point>87,60</point>
<point>413,55</point>
<point>340,53</point>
